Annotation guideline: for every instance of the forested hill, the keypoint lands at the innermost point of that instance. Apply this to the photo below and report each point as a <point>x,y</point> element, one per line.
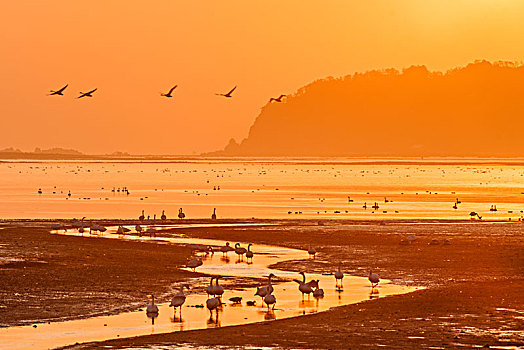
<point>476,110</point>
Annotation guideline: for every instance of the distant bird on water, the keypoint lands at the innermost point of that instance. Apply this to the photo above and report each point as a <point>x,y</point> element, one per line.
<point>181,214</point>
<point>228,95</point>
<point>339,275</point>
<point>86,94</point>
<point>278,99</point>
<point>169,93</point>
<point>59,92</point>
<point>214,215</point>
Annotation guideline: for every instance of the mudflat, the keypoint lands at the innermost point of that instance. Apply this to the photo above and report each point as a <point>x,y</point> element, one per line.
<point>472,273</point>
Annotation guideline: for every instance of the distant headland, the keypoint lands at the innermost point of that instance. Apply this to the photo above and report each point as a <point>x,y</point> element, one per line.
<point>471,111</point>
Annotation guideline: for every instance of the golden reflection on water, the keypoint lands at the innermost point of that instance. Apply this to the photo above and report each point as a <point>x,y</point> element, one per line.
<point>263,190</point>
<point>194,314</point>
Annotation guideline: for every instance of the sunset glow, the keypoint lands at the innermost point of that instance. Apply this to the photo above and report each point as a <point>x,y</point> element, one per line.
<point>132,51</point>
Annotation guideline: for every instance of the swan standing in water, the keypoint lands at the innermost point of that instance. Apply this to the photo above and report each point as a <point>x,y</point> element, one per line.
<point>319,292</point>
<point>240,251</point>
<point>152,308</point>
<point>210,288</point>
<point>194,263</point>
<point>305,288</point>
<point>214,215</point>
<point>218,289</point>
<point>226,248</point>
<point>213,303</point>
<point>163,216</point>
<point>181,214</point>
<point>339,275</point>
<point>373,278</point>
<point>311,251</point>
<point>179,299</point>
<point>262,291</point>
<point>141,217</point>
<point>270,299</point>
<point>249,253</point>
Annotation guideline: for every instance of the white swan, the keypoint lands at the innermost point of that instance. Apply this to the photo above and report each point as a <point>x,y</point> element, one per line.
<point>194,263</point>
<point>339,275</point>
<point>305,288</point>
<point>319,292</point>
<point>152,308</point>
<point>311,251</point>
<point>179,299</point>
<point>262,291</point>
<point>249,253</point>
<point>218,289</point>
<point>226,248</point>
<point>213,303</point>
<point>373,278</point>
<point>240,251</point>
<point>210,288</point>
<point>270,299</point>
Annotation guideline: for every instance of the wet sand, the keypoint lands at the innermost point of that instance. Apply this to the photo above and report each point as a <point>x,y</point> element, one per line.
<point>474,293</point>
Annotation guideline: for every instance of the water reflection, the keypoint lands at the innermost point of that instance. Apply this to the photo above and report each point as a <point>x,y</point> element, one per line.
<point>152,316</point>
<point>270,315</point>
<point>214,321</point>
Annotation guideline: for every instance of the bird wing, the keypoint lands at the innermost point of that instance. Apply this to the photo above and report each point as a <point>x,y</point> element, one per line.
<point>62,89</point>
<point>83,95</point>
<point>281,96</point>
<point>173,88</point>
<point>272,99</point>
<point>90,92</point>
<point>230,92</point>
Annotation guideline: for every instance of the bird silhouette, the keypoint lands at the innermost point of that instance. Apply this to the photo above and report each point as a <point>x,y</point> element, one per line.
<point>228,95</point>
<point>278,99</point>
<point>86,94</point>
<point>169,93</point>
<point>59,92</point>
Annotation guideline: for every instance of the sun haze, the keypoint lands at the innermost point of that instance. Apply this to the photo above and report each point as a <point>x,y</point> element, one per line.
<point>131,52</point>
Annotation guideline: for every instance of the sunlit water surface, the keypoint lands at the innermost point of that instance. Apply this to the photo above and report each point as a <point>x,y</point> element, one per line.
<point>245,189</point>
<point>289,300</point>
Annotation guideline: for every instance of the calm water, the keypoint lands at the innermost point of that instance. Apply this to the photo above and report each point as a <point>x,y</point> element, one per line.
<point>126,324</point>
<point>245,189</point>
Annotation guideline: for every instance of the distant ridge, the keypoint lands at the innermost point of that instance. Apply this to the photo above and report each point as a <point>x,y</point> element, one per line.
<point>471,111</point>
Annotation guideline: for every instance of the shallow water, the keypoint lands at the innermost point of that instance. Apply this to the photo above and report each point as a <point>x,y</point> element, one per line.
<point>259,189</point>
<point>289,300</point>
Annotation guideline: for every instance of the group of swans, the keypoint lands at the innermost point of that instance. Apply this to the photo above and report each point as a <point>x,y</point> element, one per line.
<point>266,293</point>
<point>240,251</point>
<point>308,287</point>
<point>215,290</point>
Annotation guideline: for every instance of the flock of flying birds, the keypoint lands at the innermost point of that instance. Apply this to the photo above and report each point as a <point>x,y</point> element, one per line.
<point>169,94</point>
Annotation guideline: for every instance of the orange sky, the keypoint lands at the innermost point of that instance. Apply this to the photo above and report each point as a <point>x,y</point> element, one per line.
<point>132,50</point>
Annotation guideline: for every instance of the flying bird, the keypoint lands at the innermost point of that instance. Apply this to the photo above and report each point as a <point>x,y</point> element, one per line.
<point>279,99</point>
<point>228,94</point>
<point>59,92</point>
<point>169,93</point>
<point>86,94</point>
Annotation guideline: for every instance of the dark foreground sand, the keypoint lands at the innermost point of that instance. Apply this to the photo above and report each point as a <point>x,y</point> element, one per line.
<point>474,292</point>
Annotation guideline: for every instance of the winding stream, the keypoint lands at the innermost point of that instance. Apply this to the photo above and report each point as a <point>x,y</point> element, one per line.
<point>128,324</point>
